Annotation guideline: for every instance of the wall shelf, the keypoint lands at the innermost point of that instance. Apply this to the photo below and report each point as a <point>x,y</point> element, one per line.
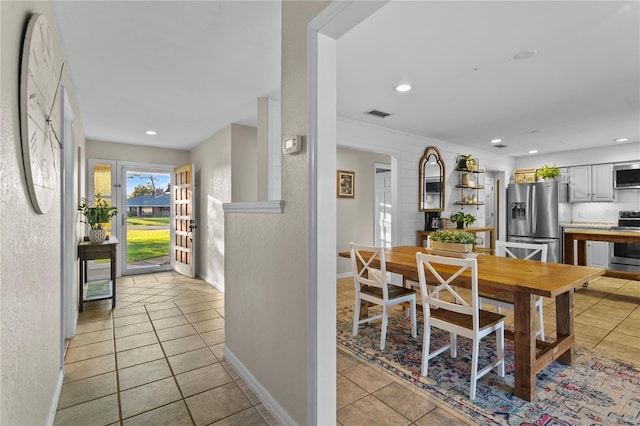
<point>469,187</point>
<point>463,203</point>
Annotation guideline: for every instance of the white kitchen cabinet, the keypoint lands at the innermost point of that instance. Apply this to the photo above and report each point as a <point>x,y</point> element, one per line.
<point>591,183</point>
<point>598,254</point>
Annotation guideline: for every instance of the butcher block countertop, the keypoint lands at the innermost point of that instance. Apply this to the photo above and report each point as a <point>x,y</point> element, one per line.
<point>589,225</point>
<point>583,235</point>
<point>603,235</point>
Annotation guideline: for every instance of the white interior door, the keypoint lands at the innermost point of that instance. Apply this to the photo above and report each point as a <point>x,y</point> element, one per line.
<point>382,205</point>
<point>489,202</point>
<point>184,220</point>
<point>70,176</point>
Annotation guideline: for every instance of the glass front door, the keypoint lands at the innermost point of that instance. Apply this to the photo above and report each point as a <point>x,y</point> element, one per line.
<point>146,219</point>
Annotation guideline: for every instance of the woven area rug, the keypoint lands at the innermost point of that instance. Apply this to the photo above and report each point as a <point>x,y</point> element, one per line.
<point>596,390</point>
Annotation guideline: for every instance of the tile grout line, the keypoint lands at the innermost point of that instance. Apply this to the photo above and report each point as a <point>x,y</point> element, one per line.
<point>166,358</point>
<point>115,361</point>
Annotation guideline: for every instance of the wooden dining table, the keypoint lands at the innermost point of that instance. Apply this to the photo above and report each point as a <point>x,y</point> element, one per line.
<point>521,281</point>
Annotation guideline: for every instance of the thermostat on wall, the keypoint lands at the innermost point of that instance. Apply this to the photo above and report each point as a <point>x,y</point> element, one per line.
<point>292,145</point>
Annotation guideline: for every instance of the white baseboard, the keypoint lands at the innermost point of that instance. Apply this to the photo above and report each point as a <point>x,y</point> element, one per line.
<point>212,283</point>
<point>344,275</point>
<point>258,389</point>
<point>56,397</point>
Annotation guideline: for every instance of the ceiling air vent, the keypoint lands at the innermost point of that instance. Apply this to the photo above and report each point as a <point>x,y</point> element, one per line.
<point>499,145</point>
<point>377,113</point>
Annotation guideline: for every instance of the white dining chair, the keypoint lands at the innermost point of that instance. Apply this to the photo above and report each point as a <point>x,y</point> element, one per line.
<point>519,250</point>
<point>371,286</point>
<point>460,317</point>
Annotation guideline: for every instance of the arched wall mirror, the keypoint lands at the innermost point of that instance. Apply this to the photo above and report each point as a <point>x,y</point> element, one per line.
<point>431,183</point>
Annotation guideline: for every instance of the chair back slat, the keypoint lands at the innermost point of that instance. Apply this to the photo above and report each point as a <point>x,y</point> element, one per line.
<point>531,250</point>
<point>362,258</point>
<point>432,298</point>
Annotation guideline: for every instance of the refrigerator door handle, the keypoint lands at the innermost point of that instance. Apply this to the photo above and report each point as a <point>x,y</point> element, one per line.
<point>528,209</point>
<point>534,211</point>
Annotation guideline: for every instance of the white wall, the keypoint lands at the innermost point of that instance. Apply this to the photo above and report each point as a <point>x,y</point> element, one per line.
<point>104,150</point>
<point>212,162</point>
<point>244,173</point>
<point>274,151</point>
<point>355,215</point>
<point>266,288</point>
<point>614,153</point>
<point>30,284</point>
<point>408,149</point>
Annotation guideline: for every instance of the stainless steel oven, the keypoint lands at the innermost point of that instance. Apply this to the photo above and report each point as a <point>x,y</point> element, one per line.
<point>626,256</point>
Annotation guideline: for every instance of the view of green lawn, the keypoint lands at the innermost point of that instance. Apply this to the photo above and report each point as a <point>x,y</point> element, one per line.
<point>145,244</point>
<point>148,221</point>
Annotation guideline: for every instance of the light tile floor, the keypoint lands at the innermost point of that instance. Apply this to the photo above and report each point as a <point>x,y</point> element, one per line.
<point>157,359</point>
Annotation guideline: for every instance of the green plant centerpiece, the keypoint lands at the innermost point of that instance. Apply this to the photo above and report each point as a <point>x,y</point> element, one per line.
<point>457,237</point>
<point>548,172</point>
<point>97,213</point>
<point>462,219</point>
<point>452,241</point>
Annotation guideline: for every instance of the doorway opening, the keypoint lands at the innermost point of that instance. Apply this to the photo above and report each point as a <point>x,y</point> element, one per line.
<point>146,212</point>
<point>382,207</point>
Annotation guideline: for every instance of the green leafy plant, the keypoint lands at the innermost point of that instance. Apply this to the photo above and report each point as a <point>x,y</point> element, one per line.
<point>467,218</point>
<point>467,162</point>
<point>97,212</point>
<point>459,237</point>
<point>548,172</point>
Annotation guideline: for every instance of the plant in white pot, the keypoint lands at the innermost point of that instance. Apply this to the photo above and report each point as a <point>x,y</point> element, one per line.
<point>97,213</point>
<point>452,241</point>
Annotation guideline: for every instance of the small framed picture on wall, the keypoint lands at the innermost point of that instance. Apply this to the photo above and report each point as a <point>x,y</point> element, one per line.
<point>346,184</point>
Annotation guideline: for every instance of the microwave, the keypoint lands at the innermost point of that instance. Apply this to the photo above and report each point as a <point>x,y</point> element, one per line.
<point>626,176</point>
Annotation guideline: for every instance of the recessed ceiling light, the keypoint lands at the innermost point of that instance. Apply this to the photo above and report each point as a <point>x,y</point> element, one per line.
<point>404,87</point>
<point>533,151</point>
<point>151,132</point>
<point>496,140</point>
<point>525,54</point>
<point>621,140</point>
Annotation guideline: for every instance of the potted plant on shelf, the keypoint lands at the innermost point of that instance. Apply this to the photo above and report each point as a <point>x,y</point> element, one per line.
<point>453,241</point>
<point>466,162</point>
<point>548,172</point>
<point>97,213</point>
<point>461,219</point>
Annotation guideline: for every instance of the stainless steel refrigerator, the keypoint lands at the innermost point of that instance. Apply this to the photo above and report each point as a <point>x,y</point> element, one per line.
<point>535,212</point>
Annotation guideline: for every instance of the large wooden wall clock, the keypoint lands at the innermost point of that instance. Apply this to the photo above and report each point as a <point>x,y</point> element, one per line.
<point>40,78</point>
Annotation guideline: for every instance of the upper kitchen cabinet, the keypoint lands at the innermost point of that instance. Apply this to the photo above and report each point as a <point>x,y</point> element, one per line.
<point>591,183</point>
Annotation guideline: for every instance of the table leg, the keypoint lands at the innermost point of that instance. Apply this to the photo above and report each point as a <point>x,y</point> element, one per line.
<point>568,249</point>
<point>113,276</point>
<point>582,252</point>
<point>525,346</point>
<point>81,280</point>
<point>492,242</point>
<point>564,324</point>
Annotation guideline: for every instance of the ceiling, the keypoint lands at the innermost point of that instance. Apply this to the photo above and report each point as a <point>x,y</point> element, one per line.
<point>188,69</point>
